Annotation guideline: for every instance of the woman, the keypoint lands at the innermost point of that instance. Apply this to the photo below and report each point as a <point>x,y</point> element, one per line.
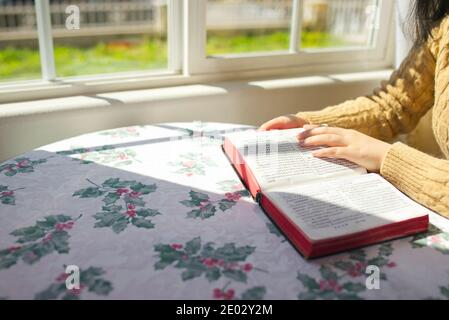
<point>357,130</point>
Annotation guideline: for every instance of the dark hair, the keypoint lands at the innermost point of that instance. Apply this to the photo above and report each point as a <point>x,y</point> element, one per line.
<point>427,14</point>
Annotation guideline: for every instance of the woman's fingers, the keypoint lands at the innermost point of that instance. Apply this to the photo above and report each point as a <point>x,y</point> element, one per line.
<point>345,153</point>
<point>277,124</point>
<point>310,126</point>
<point>334,152</point>
<point>270,125</point>
<point>288,121</point>
<point>320,130</point>
<point>331,140</point>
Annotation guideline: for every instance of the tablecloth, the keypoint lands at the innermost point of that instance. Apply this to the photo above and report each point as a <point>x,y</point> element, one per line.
<point>157,212</point>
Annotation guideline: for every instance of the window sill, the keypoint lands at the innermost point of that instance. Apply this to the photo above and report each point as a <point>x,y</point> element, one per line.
<point>181,92</point>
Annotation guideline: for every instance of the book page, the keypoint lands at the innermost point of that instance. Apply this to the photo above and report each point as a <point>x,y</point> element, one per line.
<point>276,158</point>
<point>344,206</point>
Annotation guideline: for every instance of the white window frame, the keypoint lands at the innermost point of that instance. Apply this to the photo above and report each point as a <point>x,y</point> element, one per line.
<point>196,61</point>
<point>46,50</point>
<point>51,86</point>
<point>188,63</point>
<point>45,39</point>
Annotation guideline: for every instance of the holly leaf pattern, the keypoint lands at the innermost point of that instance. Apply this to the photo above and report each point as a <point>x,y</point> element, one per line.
<point>237,275</point>
<point>46,236</point>
<point>308,282</point>
<point>123,204</point>
<point>231,186</point>
<point>193,246</point>
<point>108,155</point>
<point>203,207</point>
<point>129,132</point>
<point>20,165</point>
<point>274,230</point>
<point>225,204</point>
<point>445,292</point>
<point>434,238</point>
<point>338,279</point>
<point>115,183</point>
<point>256,293</point>
<point>91,192</point>
<point>8,196</point>
<point>199,260</point>
<point>142,223</point>
<point>193,164</point>
<point>354,287</point>
<point>91,280</point>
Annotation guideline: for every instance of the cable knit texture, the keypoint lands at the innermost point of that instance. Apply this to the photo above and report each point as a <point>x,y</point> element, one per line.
<point>421,83</point>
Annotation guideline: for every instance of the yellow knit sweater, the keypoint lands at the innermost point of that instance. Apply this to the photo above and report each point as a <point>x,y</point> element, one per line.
<point>421,83</point>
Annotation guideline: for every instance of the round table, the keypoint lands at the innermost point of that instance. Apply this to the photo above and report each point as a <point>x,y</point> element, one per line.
<point>157,212</point>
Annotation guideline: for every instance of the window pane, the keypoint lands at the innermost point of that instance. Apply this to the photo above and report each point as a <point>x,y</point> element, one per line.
<point>19,50</point>
<point>338,23</point>
<point>113,36</point>
<point>244,26</point>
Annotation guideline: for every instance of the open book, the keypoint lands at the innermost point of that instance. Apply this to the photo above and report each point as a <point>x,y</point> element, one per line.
<point>323,206</point>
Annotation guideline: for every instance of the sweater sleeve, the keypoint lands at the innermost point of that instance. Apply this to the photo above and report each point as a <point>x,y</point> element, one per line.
<point>420,176</point>
<point>395,107</point>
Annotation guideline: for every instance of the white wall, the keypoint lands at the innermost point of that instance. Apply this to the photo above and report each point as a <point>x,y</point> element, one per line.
<point>27,125</point>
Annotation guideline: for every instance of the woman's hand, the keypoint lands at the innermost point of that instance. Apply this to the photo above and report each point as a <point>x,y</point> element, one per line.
<point>345,144</point>
<point>284,122</point>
